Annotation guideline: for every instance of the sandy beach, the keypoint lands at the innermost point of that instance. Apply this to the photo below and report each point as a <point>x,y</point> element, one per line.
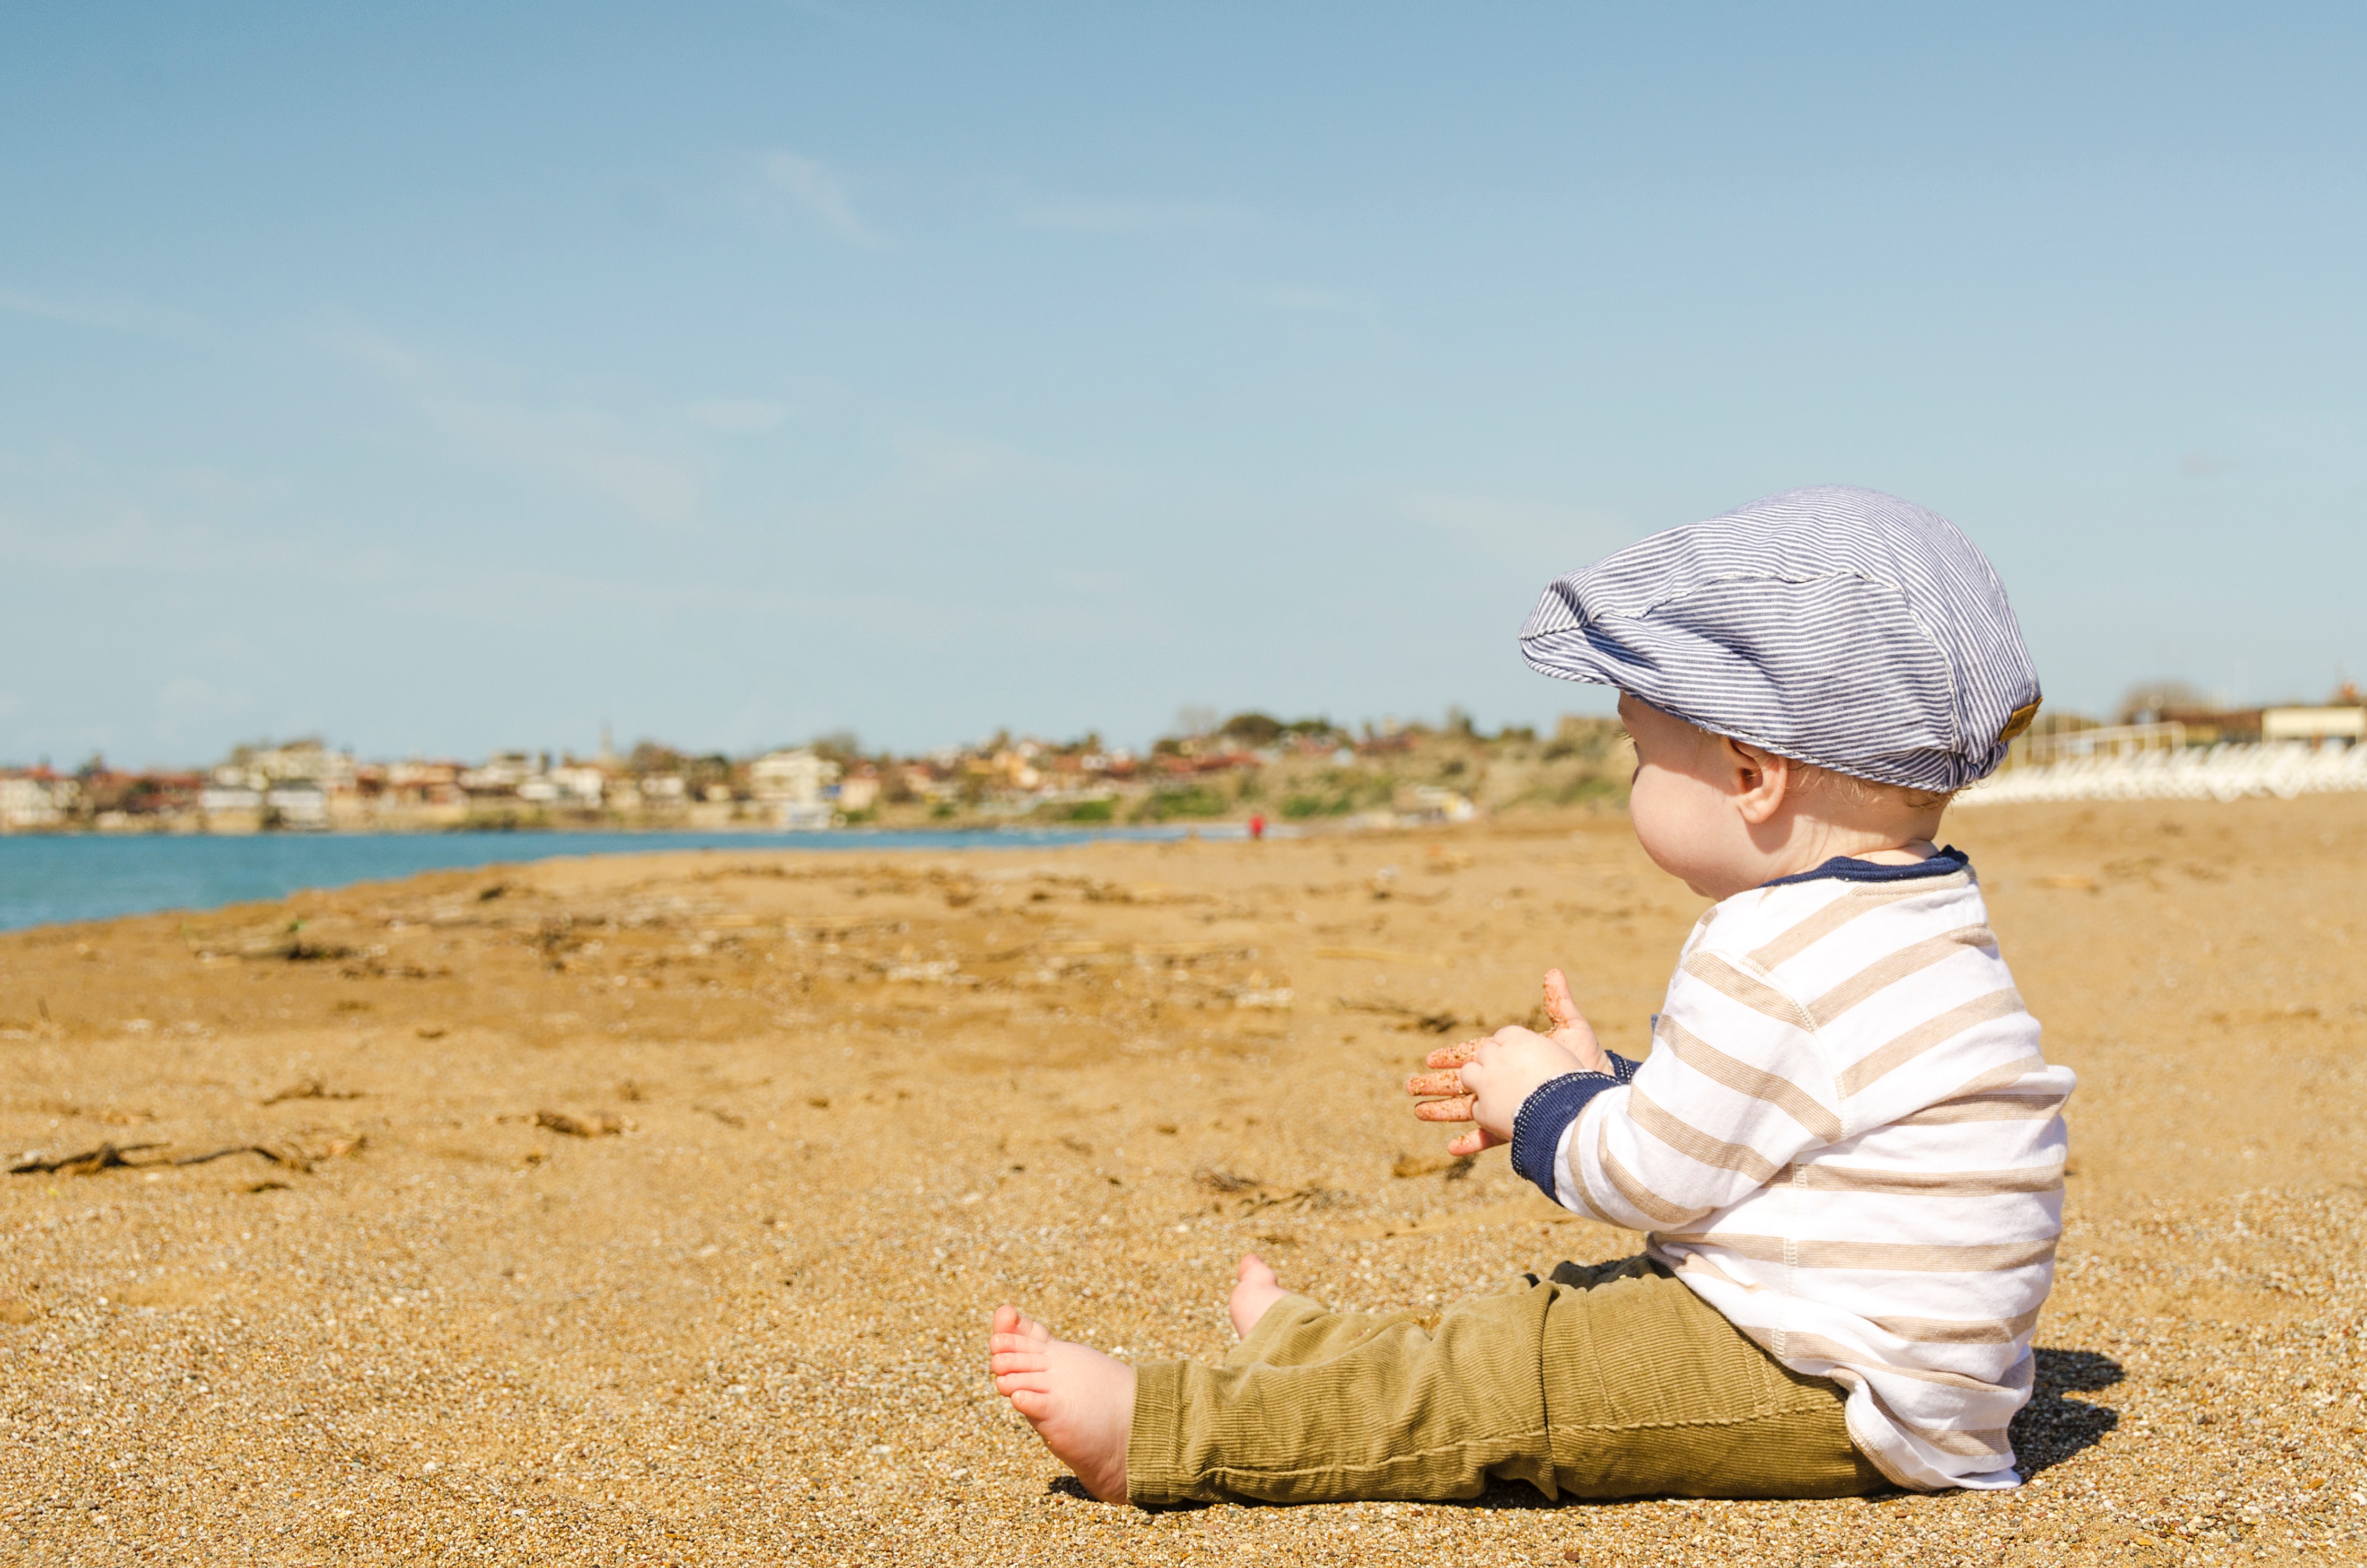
<point>651,1209</point>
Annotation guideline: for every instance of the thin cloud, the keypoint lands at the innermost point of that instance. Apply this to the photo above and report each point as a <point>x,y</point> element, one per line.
<point>740,416</point>
<point>550,596</point>
<point>186,701</point>
<point>582,449</point>
<point>206,482</point>
<point>111,315</point>
<point>939,465</point>
<point>586,451</point>
<point>809,184</point>
<point>1518,528</point>
<point>350,339</point>
<point>1292,296</point>
<point>1135,218</point>
<point>1094,584</point>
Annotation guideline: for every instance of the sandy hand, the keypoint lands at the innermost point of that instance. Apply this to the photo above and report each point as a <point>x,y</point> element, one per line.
<point>1570,1030</point>
<point>1447,1096</point>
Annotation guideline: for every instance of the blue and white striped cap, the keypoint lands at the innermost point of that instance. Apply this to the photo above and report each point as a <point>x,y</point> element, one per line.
<point>1831,625</point>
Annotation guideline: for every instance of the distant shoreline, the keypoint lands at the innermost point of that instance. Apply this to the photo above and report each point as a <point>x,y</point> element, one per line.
<point>70,878</point>
<point>1207,827</point>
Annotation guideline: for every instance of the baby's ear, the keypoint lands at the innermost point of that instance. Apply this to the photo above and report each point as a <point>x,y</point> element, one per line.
<point>1760,779</point>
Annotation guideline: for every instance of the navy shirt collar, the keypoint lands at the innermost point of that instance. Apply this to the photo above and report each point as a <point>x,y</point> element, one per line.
<point>1847,868</point>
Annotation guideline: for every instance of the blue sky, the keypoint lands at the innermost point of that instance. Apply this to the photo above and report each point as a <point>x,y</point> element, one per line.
<point>440,378</point>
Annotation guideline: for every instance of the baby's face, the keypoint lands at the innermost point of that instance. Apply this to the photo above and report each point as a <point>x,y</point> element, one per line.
<point>1683,803</point>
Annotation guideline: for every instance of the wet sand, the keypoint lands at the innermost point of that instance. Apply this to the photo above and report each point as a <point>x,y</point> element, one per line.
<point>651,1209</point>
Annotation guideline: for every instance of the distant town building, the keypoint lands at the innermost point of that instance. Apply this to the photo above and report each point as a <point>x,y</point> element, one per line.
<point>792,785</point>
<point>2313,723</point>
<point>500,774</point>
<point>416,783</point>
<point>301,804</point>
<point>859,791</point>
<point>580,784</point>
<point>32,801</point>
<point>307,761</point>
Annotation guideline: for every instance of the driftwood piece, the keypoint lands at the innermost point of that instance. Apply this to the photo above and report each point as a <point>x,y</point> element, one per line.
<point>597,1125</point>
<point>1415,1018</point>
<point>313,1089</point>
<point>286,1159</point>
<point>112,1157</point>
<point>90,1161</point>
<point>1456,1167</point>
<point>1302,1201</point>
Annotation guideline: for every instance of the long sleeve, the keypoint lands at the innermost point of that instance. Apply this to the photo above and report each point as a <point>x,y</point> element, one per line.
<point>1541,1130</point>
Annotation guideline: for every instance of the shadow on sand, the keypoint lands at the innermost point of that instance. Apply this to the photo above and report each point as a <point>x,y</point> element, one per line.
<point>2052,1429</point>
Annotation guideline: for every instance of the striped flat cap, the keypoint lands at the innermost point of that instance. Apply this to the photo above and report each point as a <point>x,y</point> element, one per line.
<point>1831,625</point>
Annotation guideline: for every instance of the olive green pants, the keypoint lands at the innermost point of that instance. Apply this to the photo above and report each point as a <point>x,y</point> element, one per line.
<point>1608,1381</point>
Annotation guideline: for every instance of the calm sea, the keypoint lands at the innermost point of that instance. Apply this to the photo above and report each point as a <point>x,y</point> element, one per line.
<point>94,877</point>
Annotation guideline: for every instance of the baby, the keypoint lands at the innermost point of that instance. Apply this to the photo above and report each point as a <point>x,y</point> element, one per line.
<point>1844,1149</point>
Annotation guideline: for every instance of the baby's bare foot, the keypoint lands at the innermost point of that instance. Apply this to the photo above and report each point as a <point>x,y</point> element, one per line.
<point>1258,1290</point>
<point>1080,1401</point>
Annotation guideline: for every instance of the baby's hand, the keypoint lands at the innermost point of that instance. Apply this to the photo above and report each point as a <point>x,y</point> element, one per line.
<point>1495,1077</point>
<point>1486,1081</point>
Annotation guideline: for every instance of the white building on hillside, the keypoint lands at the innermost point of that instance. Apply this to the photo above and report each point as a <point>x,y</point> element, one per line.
<point>32,801</point>
<point>797,785</point>
<point>581,783</point>
<point>2313,724</point>
<point>500,774</point>
<point>300,803</point>
<point>299,762</point>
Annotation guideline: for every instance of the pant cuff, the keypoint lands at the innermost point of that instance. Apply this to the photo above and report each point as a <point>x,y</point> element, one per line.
<point>1155,1470</point>
<point>1151,1477</point>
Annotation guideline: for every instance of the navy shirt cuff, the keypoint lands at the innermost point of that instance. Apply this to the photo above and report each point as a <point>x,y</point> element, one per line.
<point>1546,1114</point>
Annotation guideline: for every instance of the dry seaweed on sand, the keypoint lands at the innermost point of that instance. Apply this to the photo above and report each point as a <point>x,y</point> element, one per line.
<point>597,1124</point>
<point>310,1089</point>
<point>114,1156</point>
<point>90,1161</point>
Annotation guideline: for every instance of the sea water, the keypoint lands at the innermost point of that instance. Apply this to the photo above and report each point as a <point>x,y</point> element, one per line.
<point>49,877</point>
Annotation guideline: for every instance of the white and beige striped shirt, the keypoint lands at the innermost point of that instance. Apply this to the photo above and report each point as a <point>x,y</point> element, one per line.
<point>1846,1140</point>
